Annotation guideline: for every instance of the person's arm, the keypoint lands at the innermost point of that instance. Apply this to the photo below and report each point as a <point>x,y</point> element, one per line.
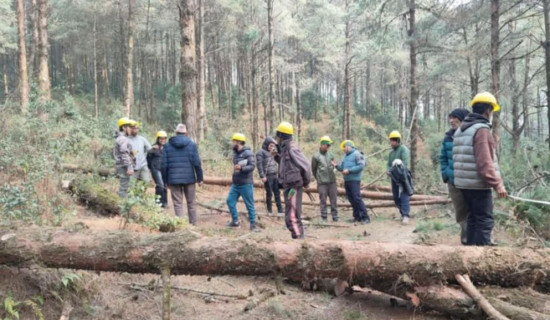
<point>301,161</point>
<point>314,166</point>
<point>484,147</point>
<point>444,163</point>
<point>250,163</point>
<point>150,160</point>
<point>260,163</point>
<point>389,164</point>
<point>406,157</point>
<point>146,145</point>
<point>359,164</point>
<point>125,154</point>
<point>197,165</point>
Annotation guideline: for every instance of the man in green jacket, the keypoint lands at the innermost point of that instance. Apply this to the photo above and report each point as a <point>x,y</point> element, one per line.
<point>323,171</point>
<point>399,155</point>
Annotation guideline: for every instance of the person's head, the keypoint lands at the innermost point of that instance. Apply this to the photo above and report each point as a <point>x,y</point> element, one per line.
<point>124,125</point>
<point>271,146</point>
<point>484,104</point>
<point>161,137</point>
<point>181,129</point>
<point>238,141</point>
<point>347,146</point>
<point>324,144</point>
<point>457,116</point>
<point>395,139</point>
<point>284,131</point>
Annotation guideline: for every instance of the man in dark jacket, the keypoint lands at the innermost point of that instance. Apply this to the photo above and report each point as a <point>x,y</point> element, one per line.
<point>447,173</point>
<point>154,161</point>
<point>181,170</point>
<point>294,175</point>
<point>476,169</point>
<point>268,170</point>
<point>400,155</point>
<point>243,183</point>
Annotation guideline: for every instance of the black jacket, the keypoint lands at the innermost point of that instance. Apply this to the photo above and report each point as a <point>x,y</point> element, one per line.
<point>154,157</point>
<point>245,158</point>
<point>264,160</point>
<point>181,163</point>
<point>402,176</point>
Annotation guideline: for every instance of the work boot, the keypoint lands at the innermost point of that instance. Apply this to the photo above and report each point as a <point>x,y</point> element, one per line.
<point>324,220</point>
<point>463,236</point>
<point>405,220</point>
<point>253,227</point>
<point>234,224</point>
<point>335,219</point>
<point>365,221</point>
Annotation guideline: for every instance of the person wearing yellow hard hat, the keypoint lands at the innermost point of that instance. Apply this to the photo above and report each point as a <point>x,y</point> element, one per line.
<point>322,170</point>
<point>294,175</point>
<point>268,169</point>
<point>141,147</point>
<point>243,181</point>
<point>399,161</point>
<point>476,169</point>
<point>124,155</point>
<point>154,160</point>
<point>181,170</point>
<point>352,168</point>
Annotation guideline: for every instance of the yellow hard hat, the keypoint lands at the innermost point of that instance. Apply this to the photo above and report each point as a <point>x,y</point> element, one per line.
<point>395,135</point>
<point>325,139</point>
<point>123,121</point>
<point>238,137</point>
<point>162,134</point>
<point>285,127</point>
<point>135,124</point>
<point>343,144</point>
<point>486,97</point>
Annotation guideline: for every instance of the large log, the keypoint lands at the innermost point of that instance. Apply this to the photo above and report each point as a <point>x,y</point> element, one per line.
<point>372,205</point>
<point>385,267</point>
<point>341,191</point>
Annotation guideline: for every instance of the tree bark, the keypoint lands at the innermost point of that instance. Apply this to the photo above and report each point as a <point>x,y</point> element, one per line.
<point>546,45</point>
<point>23,75</point>
<point>271,64</point>
<point>393,268</point>
<point>129,90</point>
<point>298,107</point>
<point>413,86</point>
<point>95,66</point>
<point>347,85</point>
<point>483,303</point>
<point>201,110</point>
<point>44,85</point>
<point>495,67</point>
<point>188,72</point>
<point>35,38</point>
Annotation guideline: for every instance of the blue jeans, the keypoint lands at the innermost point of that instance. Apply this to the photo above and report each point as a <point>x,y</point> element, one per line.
<point>353,191</point>
<point>160,191</point>
<point>247,192</point>
<point>402,201</point>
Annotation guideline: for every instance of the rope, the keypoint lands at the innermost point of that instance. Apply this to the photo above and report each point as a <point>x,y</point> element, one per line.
<point>529,200</point>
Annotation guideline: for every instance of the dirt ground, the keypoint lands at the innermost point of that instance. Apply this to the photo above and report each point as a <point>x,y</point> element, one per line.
<point>133,296</point>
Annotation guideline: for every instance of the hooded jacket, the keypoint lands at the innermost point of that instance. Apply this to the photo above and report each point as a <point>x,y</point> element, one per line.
<point>122,152</point>
<point>354,162</point>
<point>265,161</point>
<point>294,169</point>
<point>180,162</point>
<point>245,158</point>
<point>446,157</point>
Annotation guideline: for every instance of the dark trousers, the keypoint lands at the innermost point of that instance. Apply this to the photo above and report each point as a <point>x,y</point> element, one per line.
<point>402,200</point>
<point>272,189</point>
<point>330,190</point>
<point>293,212</point>
<point>480,216</point>
<point>353,191</point>
<point>160,191</point>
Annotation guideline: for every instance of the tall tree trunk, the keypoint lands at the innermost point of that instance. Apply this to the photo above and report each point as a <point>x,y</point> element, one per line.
<point>368,90</point>
<point>298,107</point>
<point>413,86</point>
<point>516,134</point>
<point>33,59</point>
<point>188,71</point>
<point>201,78</point>
<point>95,65</point>
<point>44,73</point>
<point>271,66</point>
<point>347,80</point>
<point>129,90</point>
<point>23,76</point>
<point>495,67</point>
<point>255,97</point>
<point>546,4</point>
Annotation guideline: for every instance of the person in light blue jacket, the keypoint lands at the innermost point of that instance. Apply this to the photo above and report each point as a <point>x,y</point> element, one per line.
<point>352,168</point>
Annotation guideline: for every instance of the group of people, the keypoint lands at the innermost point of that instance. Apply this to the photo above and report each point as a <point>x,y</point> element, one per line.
<point>468,166</point>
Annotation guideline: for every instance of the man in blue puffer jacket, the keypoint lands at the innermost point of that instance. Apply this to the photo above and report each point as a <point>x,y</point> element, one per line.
<point>447,172</point>
<point>352,168</point>
<point>181,169</point>
<point>243,181</point>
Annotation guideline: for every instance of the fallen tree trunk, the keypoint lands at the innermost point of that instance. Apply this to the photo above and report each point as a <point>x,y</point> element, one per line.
<point>341,191</point>
<point>382,266</point>
<point>372,205</point>
<point>103,172</point>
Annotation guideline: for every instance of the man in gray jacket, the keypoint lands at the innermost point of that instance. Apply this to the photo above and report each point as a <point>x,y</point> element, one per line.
<point>268,169</point>
<point>124,156</point>
<point>141,147</point>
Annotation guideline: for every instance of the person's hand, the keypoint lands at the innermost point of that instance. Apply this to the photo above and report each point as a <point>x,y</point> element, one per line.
<point>334,163</point>
<point>200,184</point>
<point>388,173</point>
<point>345,172</point>
<point>502,193</point>
<point>264,179</point>
<point>237,167</point>
<point>155,146</point>
<point>130,172</point>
